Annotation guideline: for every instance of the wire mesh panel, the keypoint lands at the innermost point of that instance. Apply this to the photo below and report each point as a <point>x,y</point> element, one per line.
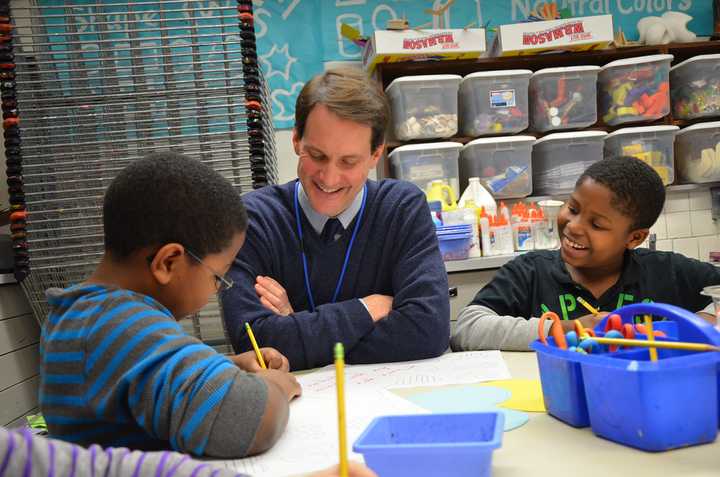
<point>96,85</point>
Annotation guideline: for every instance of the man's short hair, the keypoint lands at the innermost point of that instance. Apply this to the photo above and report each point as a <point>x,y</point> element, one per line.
<point>349,93</point>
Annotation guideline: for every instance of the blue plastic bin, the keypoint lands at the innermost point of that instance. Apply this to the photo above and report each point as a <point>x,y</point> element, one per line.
<point>454,245</point>
<point>432,445</point>
<point>561,379</point>
<point>656,406</point>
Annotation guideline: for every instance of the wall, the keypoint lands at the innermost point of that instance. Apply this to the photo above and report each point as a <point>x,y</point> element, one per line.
<point>686,226</point>
<point>19,336</point>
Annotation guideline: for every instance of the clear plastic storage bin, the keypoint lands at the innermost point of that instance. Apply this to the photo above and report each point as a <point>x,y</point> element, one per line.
<point>635,89</point>
<point>559,159</point>
<point>424,107</point>
<point>501,163</point>
<point>424,163</point>
<point>563,98</point>
<point>494,102</point>
<point>695,87</point>
<point>652,144</point>
<point>697,153</point>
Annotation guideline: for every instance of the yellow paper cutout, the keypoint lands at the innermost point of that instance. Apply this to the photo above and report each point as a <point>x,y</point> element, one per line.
<point>525,394</point>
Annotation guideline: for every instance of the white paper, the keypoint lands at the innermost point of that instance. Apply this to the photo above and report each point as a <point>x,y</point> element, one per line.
<point>310,441</point>
<point>451,368</point>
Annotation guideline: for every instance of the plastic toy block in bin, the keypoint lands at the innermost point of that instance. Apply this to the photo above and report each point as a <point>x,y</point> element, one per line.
<point>454,241</point>
<point>563,98</point>
<point>432,445</point>
<point>558,159</point>
<point>697,153</point>
<point>424,107</point>
<point>695,87</point>
<point>652,144</point>
<point>423,163</point>
<point>653,406</point>
<point>635,89</point>
<point>494,102</point>
<point>501,163</point>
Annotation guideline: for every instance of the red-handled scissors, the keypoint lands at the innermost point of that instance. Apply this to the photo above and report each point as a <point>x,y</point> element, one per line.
<point>555,330</point>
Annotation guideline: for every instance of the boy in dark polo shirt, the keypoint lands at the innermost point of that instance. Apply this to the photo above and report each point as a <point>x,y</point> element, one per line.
<point>608,215</point>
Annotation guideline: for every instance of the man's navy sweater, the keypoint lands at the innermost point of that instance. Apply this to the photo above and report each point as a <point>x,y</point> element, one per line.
<point>395,253</point>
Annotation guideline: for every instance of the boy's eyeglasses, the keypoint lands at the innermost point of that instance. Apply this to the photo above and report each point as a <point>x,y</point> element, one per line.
<point>221,283</point>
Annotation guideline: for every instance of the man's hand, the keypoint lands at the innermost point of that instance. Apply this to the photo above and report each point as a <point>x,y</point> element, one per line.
<point>272,295</point>
<point>378,306</point>
<point>273,360</point>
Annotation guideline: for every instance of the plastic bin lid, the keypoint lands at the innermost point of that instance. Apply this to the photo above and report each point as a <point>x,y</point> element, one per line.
<point>428,146</point>
<point>571,135</point>
<point>642,129</point>
<point>567,69</point>
<point>700,126</point>
<point>637,60</point>
<point>498,74</point>
<point>714,57</point>
<point>416,79</point>
<point>500,140</point>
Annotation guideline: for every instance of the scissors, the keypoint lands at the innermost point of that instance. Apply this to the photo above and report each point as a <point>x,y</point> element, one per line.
<point>555,330</point>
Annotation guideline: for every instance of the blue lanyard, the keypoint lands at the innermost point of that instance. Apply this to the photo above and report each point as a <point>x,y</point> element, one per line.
<point>308,288</point>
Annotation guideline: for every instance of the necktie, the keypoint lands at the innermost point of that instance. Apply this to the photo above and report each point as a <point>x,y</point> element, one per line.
<point>332,231</point>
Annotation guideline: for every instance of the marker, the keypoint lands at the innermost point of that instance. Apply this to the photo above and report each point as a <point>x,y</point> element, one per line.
<point>340,384</point>
<point>544,308</point>
<point>255,346</point>
<point>587,306</point>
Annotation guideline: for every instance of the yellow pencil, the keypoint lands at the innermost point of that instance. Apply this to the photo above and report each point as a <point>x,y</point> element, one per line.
<point>656,344</point>
<point>255,346</point>
<point>588,306</point>
<point>650,337</point>
<point>340,382</point>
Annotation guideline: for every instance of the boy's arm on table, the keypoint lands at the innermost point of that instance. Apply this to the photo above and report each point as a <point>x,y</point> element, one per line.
<point>496,318</point>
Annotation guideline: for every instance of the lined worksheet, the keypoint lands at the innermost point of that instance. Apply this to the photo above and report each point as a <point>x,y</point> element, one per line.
<point>451,368</point>
<point>310,441</point>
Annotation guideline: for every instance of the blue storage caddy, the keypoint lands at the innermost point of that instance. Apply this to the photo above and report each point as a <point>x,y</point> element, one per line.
<point>562,382</point>
<point>656,406</point>
<point>432,445</point>
<point>629,399</point>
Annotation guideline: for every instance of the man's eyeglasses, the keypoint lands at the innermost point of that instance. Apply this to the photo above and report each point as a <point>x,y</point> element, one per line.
<point>221,283</point>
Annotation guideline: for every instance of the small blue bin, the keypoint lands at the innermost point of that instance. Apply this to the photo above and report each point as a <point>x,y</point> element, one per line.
<point>455,246</point>
<point>656,406</point>
<point>432,445</point>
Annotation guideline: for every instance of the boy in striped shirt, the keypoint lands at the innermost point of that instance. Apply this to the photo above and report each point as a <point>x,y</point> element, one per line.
<point>116,367</point>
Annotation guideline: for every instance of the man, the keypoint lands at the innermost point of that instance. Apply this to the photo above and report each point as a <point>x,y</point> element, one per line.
<point>334,256</point>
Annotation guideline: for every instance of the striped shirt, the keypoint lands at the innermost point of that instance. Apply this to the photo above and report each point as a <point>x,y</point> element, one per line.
<point>22,453</point>
<point>118,370</point>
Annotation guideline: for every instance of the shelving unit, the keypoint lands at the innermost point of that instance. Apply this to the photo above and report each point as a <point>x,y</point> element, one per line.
<point>386,73</point>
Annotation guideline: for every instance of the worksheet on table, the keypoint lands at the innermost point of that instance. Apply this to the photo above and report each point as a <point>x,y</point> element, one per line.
<point>310,441</point>
<point>451,368</point>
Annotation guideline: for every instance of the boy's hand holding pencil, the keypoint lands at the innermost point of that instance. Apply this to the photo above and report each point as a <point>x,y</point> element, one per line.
<point>272,358</point>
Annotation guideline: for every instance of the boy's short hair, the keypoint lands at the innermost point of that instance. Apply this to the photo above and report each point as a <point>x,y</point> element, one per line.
<point>167,197</point>
<point>638,190</point>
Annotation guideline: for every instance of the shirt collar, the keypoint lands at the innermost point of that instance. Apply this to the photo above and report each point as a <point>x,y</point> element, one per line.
<point>317,220</point>
<point>630,273</point>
